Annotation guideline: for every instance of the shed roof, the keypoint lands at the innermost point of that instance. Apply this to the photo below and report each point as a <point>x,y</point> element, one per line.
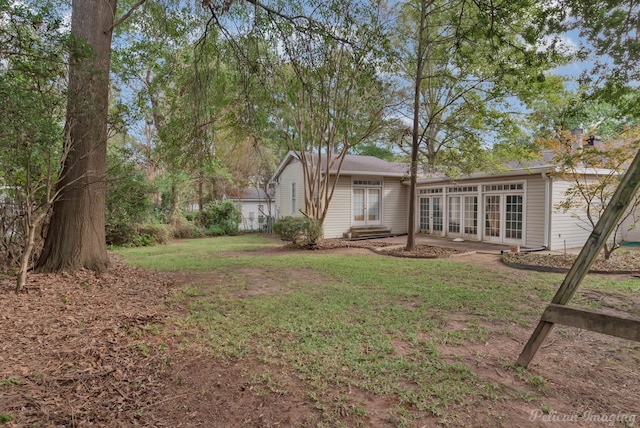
<point>246,194</point>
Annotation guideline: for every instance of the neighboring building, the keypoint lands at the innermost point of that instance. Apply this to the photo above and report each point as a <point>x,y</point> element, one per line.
<point>255,205</point>
<point>513,207</point>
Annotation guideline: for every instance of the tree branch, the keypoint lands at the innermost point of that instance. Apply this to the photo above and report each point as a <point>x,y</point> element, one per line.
<point>126,15</point>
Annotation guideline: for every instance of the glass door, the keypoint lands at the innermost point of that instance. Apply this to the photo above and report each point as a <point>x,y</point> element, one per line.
<point>359,208</point>
<point>504,218</point>
<point>471,216</point>
<point>373,206</point>
<point>366,207</point>
<point>492,218</point>
<point>430,214</point>
<point>513,217</point>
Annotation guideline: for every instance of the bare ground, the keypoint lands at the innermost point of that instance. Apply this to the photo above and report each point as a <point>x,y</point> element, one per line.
<point>81,350</point>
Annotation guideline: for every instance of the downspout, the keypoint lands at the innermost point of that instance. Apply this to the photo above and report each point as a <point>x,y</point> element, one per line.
<point>547,208</point>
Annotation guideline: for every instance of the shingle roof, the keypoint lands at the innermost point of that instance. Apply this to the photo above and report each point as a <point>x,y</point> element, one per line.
<point>247,194</point>
<point>352,165</point>
<point>370,164</point>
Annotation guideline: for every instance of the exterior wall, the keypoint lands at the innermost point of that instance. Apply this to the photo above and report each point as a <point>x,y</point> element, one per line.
<point>395,205</point>
<point>338,220</point>
<point>633,234</point>
<point>250,214</point>
<point>566,228</point>
<point>292,173</point>
<point>533,234</point>
<point>535,195</point>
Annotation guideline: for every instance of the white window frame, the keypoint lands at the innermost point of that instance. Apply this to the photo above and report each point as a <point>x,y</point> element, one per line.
<point>367,183</point>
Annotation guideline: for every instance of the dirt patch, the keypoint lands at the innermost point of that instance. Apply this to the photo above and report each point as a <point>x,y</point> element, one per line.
<point>576,374</point>
<point>270,280</point>
<point>216,393</point>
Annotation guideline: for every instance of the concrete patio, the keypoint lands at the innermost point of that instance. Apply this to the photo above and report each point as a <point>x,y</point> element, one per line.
<point>479,247</point>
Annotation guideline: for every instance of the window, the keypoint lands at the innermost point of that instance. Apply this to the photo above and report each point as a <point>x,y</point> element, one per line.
<point>430,191</point>
<point>437,214</point>
<point>293,198</point>
<point>424,214</point>
<point>455,213</point>
<point>367,182</point>
<point>492,215</point>
<point>358,205</point>
<point>513,217</point>
<point>502,187</point>
<point>471,215</point>
<point>462,189</point>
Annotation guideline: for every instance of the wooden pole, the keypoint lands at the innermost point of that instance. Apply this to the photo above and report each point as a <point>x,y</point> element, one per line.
<point>620,200</point>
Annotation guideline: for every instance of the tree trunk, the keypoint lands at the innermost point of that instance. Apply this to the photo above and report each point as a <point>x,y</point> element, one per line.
<point>415,132</point>
<point>76,235</point>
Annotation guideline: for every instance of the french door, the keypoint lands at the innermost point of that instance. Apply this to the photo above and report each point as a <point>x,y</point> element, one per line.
<point>431,214</point>
<point>503,218</point>
<point>366,207</point>
<point>462,216</point>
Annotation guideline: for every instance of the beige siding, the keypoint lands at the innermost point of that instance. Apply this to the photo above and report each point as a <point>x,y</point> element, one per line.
<point>338,219</point>
<point>631,231</point>
<point>566,227</point>
<point>395,205</point>
<point>292,173</point>
<point>534,229</point>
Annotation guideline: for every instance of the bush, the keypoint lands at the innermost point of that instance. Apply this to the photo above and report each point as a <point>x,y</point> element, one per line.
<point>140,235</point>
<point>220,218</point>
<point>302,231</point>
<point>128,200</point>
<point>153,233</point>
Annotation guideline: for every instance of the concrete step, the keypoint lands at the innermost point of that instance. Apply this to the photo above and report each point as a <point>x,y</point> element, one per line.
<point>366,231</point>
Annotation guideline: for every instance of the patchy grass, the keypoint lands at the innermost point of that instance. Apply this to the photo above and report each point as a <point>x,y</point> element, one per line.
<point>362,323</point>
<point>194,254</point>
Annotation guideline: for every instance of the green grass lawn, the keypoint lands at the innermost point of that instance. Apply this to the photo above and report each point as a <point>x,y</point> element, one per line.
<point>341,321</point>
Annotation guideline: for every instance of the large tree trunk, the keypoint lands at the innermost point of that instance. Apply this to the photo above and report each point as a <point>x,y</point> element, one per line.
<point>76,236</point>
<point>415,132</point>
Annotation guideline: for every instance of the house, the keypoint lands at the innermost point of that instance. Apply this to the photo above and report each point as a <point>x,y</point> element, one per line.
<point>517,206</point>
<point>369,194</point>
<point>255,206</point>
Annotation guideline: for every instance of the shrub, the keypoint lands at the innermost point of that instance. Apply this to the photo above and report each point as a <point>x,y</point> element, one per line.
<point>153,233</point>
<point>128,201</point>
<point>220,218</point>
<point>302,231</point>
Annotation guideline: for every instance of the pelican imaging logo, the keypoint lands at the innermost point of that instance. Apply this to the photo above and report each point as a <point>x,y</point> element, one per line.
<point>610,419</point>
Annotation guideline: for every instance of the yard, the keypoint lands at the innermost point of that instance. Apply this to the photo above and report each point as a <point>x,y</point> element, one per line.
<point>245,331</point>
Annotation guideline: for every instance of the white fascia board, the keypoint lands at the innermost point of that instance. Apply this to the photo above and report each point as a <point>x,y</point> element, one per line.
<point>510,173</point>
<point>372,173</point>
<point>291,154</point>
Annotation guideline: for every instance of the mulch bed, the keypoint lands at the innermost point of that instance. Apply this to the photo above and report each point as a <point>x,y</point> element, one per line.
<point>78,349</point>
<point>424,252</point>
<point>391,249</point>
<point>620,262</point>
